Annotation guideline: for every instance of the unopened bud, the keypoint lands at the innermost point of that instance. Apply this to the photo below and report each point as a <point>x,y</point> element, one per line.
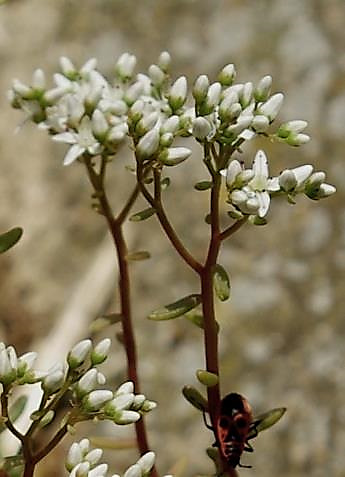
<point>178,93</point>
<point>126,417</point>
<point>212,99</point>
<point>260,123</point>
<point>297,139</point>
<point>100,352</point>
<point>96,400</point>
<point>201,128</point>
<point>164,61</point>
<point>227,75</point>
<point>125,66</point>
<point>157,75</point>
<point>287,180</point>
<point>272,106</point>
<point>133,471</point>
<point>148,144</point>
<point>200,88</point>
<point>79,353</point>
<point>146,462</point>
<point>174,155</point>
<point>263,89</point>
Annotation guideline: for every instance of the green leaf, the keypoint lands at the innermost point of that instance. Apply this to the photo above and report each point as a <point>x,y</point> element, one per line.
<point>203,185</point>
<point>10,463</point>
<point>206,378</point>
<point>221,282</point>
<point>142,215</point>
<point>138,256</point>
<point>10,238</point>
<point>256,220</point>
<point>176,309</point>
<point>195,398</point>
<point>165,183</point>
<point>196,317</point>
<point>266,420</point>
<point>15,411</point>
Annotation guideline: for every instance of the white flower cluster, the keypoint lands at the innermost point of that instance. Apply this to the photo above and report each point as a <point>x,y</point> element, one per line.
<point>94,115</point>
<point>82,461</point>
<point>79,377</point>
<point>250,190</point>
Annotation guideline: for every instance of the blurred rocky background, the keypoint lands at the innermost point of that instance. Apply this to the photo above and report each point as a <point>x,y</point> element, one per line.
<point>282,339</point>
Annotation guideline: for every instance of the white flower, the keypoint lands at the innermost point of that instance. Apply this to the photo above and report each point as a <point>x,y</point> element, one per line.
<point>81,142</point>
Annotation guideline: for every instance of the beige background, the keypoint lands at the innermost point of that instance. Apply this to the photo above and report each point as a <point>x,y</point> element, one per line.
<point>282,341</point>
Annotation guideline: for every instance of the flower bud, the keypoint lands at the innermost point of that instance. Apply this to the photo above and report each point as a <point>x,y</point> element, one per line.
<point>201,128</point>
<point>148,406</point>
<point>227,75</point>
<point>287,180</point>
<point>146,123</point>
<point>119,403</point>
<point>212,99</point>
<point>146,462</point>
<point>238,197</point>
<point>116,135</point>
<point>263,89</point>
<point>225,112</point>
<point>200,88</point>
<point>54,379</point>
<point>297,139</point>
<point>164,61</point>
<point>148,144</point>
<point>272,106</point>
<point>136,111</point>
<point>21,89</point>
<point>8,366</point>
<point>99,124</point>
<point>96,400</point>
<point>157,75</point>
<point>38,80</point>
<point>302,173</point>
<point>67,67</point>
<point>81,470</point>
<point>133,93</point>
<point>295,126</point>
<point>246,94</point>
<point>133,471</point>
<point>125,417</point>
<point>79,353</point>
<point>252,206</point>
<point>326,190</point>
<point>125,388</point>
<point>260,123</point>
<point>178,93</point>
<point>139,400</point>
<point>87,383</point>
<point>99,471</point>
<point>171,125</point>
<point>166,139</point>
<point>125,66</point>
<point>74,457</point>
<point>234,168</point>
<point>47,419</point>
<point>243,122</point>
<point>174,155</point>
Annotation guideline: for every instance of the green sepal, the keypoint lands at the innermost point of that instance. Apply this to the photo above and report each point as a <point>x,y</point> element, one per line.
<point>208,219</point>
<point>203,185</point>
<point>138,256</point>
<point>221,282</point>
<point>10,238</point>
<point>9,464</point>
<point>176,309</point>
<point>195,398</point>
<point>143,215</point>
<point>206,378</point>
<point>256,220</point>
<point>266,420</point>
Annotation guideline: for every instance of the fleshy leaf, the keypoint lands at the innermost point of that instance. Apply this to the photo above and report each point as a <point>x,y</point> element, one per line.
<point>221,282</point>
<point>206,378</point>
<point>203,185</point>
<point>266,420</point>
<point>137,256</point>
<point>195,398</point>
<point>196,317</point>
<point>176,309</point>
<point>10,238</point>
<point>143,215</point>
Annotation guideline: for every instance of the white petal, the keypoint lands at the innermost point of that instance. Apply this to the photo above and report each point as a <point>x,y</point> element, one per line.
<point>273,184</point>
<point>260,164</point>
<point>264,201</point>
<point>66,137</point>
<point>72,154</point>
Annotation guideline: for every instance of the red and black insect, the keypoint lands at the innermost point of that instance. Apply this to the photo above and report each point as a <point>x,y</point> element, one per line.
<point>236,426</point>
<point>233,426</point>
